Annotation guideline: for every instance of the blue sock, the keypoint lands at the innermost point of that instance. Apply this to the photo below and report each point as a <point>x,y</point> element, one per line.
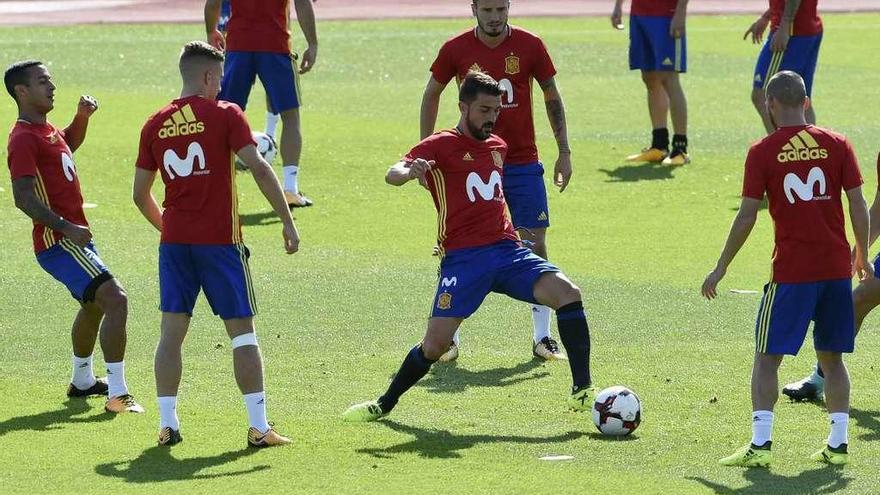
<point>575,335</point>
<point>414,367</point>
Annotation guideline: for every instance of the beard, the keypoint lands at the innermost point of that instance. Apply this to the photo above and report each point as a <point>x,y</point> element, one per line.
<point>481,132</point>
<point>493,32</point>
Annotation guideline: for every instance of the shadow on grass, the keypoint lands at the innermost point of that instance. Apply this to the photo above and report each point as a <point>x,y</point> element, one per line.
<point>869,420</point>
<point>157,464</point>
<point>53,420</point>
<point>442,444</point>
<point>644,171</point>
<point>827,479</point>
<point>262,218</point>
<point>449,378</point>
<point>599,437</point>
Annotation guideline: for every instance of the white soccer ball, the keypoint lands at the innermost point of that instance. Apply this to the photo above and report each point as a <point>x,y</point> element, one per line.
<point>265,147</point>
<point>617,411</point>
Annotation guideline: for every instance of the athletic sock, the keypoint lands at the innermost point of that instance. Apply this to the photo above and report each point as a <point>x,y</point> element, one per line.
<point>679,143</point>
<point>660,139</point>
<point>272,123</point>
<point>455,338</point>
<point>540,322</point>
<point>256,409</point>
<point>116,379</point>
<point>83,377</point>
<point>762,427</point>
<point>291,173</point>
<point>414,367</point>
<point>168,412</point>
<point>838,435</point>
<point>574,332</point>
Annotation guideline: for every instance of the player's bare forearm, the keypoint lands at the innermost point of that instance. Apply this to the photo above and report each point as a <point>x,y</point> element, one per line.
<point>739,231</point>
<point>268,183</point>
<point>874,216</point>
<point>212,15</point>
<point>75,133</point>
<point>790,11</point>
<point>556,114</point>
<point>398,174</point>
<point>27,201</point>
<point>861,224</point>
<point>305,15</point>
<point>142,195</point>
<point>681,6</point>
<point>428,115</point>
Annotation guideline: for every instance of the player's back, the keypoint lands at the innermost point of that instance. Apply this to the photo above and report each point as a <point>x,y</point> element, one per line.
<point>258,26</point>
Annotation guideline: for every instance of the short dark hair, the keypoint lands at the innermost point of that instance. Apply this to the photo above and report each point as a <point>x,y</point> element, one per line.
<point>787,88</point>
<point>198,51</point>
<point>477,83</point>
<point>17,74</point>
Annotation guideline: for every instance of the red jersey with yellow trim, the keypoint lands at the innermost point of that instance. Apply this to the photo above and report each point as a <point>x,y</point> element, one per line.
<point>465,183</point>
<point>519,59</point>
<point>806,22</point>
<point>191,142</point>
<point>39,151</point>
<point>803,170</point>
<point>258,26</point>
<point>662,8</point>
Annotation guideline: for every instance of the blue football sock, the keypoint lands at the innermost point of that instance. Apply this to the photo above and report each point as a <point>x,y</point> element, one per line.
<point>575,335</point>
<point>414,367</point>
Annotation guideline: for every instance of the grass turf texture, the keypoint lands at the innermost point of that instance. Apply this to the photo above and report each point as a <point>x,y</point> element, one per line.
<point>337,318</point>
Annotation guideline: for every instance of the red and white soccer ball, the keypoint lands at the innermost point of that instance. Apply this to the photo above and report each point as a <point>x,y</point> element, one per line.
<point>617,411</point>
<point>265,147</point>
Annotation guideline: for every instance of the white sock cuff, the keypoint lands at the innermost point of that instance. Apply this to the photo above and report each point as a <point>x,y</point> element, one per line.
<point>244,339</point>
<point>839,417</point>
<point>763,415</point>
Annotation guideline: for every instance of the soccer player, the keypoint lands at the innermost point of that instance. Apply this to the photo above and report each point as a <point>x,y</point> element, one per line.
<point>793,44</point>
<point>258,44</point>
<point>658,48</point>
<point>866,297</point>
<point>191,141</point>
<point>46,188</point>
<point>802,169</point>
<point>514,57</point>
<point>481,253</point>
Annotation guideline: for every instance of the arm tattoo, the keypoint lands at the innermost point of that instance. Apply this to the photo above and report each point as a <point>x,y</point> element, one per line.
<point>556,113</point>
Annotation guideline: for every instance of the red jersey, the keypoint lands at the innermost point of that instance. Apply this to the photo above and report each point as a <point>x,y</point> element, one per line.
<point>664,8</point>
<point>521,57</point>
<point>192,141</point>
<point>39,151</point>
<point>803,170</point>
<point>258,26</point>
<point>806,22</point>
<point>465,183</point>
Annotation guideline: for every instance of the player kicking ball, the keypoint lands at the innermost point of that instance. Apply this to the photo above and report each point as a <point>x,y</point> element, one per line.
<point>46,188</point>
<point>480,251</point>
<point>812,267</point>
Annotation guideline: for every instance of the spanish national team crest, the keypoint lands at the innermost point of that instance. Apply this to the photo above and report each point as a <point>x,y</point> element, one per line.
<point>444,301</point>
<point>496,158</point>
<point>475,68</point>
<point>511,64</point>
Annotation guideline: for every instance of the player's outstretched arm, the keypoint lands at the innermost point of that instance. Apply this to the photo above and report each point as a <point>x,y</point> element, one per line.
<point>430,107</point>
<point>739,232</point>
<point>305,15</point>
<point>212,18</point>
<point>858,214</point>
<point>265,178</point>
<point>556,114</point>
<point>75,133</point>
<point>142,194</point>
<point>27,201</point>
<point>402,172</point>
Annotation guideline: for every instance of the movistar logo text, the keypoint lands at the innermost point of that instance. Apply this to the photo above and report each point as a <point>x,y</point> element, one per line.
<point>804,190</point>
<point>486,190</point>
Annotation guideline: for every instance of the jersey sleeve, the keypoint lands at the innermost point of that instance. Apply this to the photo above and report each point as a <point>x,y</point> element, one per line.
<point>426,150</point>
<point>239,129</point>
<point>22,156</point>
<point>754,182</point>
<point>145,158</point>
<point>443,68</point>
<point>544,68</point>
<point>851,176</point>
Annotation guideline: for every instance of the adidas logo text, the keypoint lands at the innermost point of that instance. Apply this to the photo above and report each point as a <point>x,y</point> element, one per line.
<point>801,147</point>
<point>182,123</point>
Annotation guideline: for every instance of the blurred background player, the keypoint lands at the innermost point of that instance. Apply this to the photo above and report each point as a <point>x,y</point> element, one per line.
<point>658,48</point>
<point>866,297</point>
<point>793,44</point>
<point>462,170</point>
<point>46,188</point>
<point>514,57</point>
<point>201,246</point>
<point>258,44</point>
<point>812,266</point>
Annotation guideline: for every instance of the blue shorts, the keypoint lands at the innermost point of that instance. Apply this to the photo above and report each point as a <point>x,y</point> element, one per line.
<point>80,269</point>
<point>222,271</point>
<point>526,195</point>
<point>787,309</point>
<point>652,48</point>
<point>800,56</point>
<point>467,275</point>
<point>277,72</point>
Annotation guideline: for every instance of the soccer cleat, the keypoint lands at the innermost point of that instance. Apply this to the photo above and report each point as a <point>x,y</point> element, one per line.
<point>750,456</point>
<point>450,355</point>
<point>269,438</point>
<point>99,388</point>
<point>580,400</point>
<point>548,350</point>
<point>169,437</point>
<point>837,456</point>
<point>296,200</point>
<point>677,158</point>
<point>363,412</point>
<point>804,390</point>
<point>648,155</point>
<point>123,403</point>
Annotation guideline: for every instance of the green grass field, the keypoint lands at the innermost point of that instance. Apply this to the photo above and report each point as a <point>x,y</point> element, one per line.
<point>337,318</point>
